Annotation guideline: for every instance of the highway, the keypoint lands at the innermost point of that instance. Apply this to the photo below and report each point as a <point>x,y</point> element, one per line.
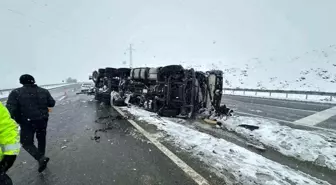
<point>292,113</point>
<point>122,155</point>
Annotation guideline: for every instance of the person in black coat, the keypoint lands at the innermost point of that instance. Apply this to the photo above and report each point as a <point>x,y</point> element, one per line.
<point>29,107</point>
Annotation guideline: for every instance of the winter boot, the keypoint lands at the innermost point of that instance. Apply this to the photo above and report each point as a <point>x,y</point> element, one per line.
<point>43,164</point>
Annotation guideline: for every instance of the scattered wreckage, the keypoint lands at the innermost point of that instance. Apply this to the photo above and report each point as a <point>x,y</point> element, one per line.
<point>170,91</point>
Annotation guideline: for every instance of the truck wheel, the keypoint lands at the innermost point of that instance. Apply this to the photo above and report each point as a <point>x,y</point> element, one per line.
<point>95,75</point>
<point>124,72</point>
<point>109,71</point>
<point>171,69</point>
<point>101,70</point>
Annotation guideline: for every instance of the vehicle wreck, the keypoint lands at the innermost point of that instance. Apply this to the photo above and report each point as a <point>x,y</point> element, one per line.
<point>171,91</point>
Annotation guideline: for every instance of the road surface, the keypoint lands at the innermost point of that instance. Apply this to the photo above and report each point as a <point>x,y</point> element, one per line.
<point>122,156</point>
<point>291,113</point>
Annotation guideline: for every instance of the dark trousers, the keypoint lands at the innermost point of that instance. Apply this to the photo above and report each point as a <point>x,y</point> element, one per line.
<point>5,180</point>
<point>30,129</point>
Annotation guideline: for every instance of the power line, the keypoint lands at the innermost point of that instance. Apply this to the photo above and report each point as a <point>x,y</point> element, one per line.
<point>131,55</point>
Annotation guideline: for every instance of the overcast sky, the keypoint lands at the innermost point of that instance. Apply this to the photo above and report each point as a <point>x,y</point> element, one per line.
<point>53,39</point>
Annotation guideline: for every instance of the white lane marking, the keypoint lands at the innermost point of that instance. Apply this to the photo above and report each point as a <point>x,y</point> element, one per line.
<point>317,117</point>
<point>181,164</point>
<point>62,98</point>
<point>287,108</point>
<point>285,121</point>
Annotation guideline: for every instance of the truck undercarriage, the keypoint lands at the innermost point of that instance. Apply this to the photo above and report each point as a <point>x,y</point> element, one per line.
<point>170,91</point>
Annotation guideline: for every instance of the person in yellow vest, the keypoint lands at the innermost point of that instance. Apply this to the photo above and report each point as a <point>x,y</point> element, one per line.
<point>9,144</point>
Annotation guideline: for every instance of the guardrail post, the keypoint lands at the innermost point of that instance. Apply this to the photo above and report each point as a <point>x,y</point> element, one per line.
<point>286,95</point>
<point>306,96</point>
<point>270,93</point>
<point>244,92</point>
<point>256,93</point>
<point>331,98</point>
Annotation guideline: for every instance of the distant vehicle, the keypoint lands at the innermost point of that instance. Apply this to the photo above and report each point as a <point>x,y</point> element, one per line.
<point>86,87</point>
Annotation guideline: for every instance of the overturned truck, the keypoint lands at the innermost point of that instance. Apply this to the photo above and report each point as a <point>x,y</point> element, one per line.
<point>169,91</point>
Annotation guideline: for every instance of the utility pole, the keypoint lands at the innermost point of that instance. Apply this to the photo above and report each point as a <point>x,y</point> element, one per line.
<point>131,56</point>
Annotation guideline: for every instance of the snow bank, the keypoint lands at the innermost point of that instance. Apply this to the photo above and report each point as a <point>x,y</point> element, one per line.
<point>224,158</point>
<point>313,146</point>
<point>56,86</point>
<point>5,94</point>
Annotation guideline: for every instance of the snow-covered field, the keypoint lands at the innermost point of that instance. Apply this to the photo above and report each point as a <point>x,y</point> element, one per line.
<point>315,146</point>
<point>298,97</point>
<point>313,70</point>
<point>224,158</point>
<point>5,94</point>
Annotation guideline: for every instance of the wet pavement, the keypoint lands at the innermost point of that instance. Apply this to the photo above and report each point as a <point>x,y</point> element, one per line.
<point>122,156</point>
<point>284,111</point>
<point>329,123</point>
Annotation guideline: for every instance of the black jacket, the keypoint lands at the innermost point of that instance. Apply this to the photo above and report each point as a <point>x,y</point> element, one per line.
<point>29,103</point>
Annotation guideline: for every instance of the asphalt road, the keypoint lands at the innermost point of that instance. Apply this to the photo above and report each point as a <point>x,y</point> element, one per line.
<point>121,157</point>
<point>284,111</point>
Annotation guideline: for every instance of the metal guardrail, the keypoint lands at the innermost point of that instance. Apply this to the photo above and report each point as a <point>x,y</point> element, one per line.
<point>48,85</point>
<point>287,92</point>
<point>44,86</point>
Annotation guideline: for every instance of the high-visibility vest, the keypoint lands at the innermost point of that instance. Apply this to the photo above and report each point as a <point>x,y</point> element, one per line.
<point>9,134</point>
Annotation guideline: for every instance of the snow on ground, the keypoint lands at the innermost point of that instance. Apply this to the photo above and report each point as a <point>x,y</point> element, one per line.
<point>224,158</point>
<point>5,94</point>
<point>313,70</point>
<point>318,147</point>
<point>56,86</point>
<point>298,97</point>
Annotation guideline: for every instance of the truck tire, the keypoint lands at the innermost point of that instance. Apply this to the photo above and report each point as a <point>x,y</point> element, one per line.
<point>101,71</point>
<point>171,69</point>
<point>124,72</point>
<point>111,72</point>
<point>95,75</point>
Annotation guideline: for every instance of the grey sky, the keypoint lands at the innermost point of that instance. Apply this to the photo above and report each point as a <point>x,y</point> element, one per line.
<point>53,40</point>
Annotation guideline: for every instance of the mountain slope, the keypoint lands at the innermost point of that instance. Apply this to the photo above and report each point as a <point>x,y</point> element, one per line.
<point>314,70</point>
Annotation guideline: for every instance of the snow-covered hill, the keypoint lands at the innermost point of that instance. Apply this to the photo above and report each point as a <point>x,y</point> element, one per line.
<point>314,70</point>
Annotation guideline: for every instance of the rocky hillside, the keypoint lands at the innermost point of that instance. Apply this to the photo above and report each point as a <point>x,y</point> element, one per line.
<point>314,70</point>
